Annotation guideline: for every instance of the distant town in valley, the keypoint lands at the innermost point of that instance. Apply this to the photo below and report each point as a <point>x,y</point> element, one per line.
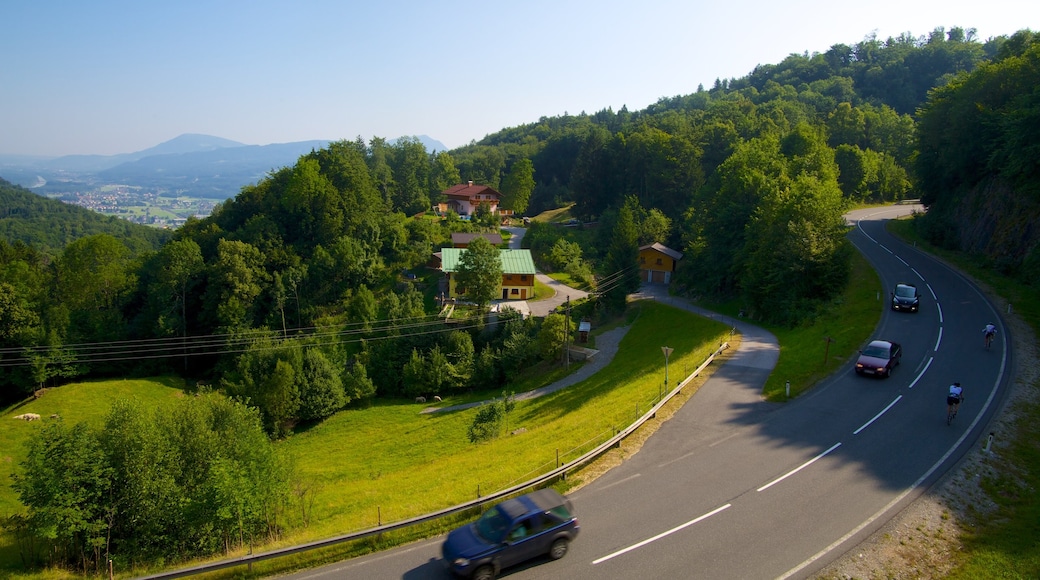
<point>164,185</point>
<point>140,206</point>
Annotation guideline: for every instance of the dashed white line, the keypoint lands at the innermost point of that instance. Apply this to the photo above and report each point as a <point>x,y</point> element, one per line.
<point>799,468</point>
<point>662,534</point>
<point>875,418</point>
<point>921,374</point>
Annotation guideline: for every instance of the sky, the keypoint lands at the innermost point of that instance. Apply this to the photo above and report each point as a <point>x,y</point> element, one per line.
<point>106,77</point>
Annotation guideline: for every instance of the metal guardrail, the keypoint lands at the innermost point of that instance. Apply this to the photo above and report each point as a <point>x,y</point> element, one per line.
<point>541,479</point>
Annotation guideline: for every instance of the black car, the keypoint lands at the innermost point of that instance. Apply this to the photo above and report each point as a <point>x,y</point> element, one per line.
<point>514,531</point>
<point>906,297</point>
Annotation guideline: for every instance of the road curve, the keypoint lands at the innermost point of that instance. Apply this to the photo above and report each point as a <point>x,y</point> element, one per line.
<point>734,487</point>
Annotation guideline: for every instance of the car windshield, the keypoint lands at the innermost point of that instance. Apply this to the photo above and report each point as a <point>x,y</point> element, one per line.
<point>492,526</point>
<point>905,292</point>
<point>876,351</point>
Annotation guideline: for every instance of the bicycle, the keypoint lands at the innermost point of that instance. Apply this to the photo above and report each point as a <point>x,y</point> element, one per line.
<point>989,338</point>
<point>951,410</point>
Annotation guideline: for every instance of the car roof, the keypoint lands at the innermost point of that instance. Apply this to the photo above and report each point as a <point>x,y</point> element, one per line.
<point>880,343</point>
<point>906,284</point>
<point>536,501</point>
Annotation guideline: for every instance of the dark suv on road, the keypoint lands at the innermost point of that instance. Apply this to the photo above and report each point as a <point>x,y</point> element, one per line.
<point>516,530</point>
<point>905,297</point>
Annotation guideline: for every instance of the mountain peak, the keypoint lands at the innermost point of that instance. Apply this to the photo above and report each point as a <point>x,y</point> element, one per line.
<point>189,143</point>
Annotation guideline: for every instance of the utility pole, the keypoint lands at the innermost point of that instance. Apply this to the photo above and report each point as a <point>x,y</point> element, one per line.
<point>567,334</point>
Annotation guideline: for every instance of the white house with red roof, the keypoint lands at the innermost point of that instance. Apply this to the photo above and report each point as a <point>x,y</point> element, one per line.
<point>464,198</point>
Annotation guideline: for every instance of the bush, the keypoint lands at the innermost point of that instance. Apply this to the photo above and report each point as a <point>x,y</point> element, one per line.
<point>490,419</point>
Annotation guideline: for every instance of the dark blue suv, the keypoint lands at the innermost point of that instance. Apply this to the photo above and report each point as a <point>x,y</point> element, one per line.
<point>514,531</point>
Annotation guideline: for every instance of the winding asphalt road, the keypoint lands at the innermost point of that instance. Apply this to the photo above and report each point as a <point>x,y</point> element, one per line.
<point>733,487</point>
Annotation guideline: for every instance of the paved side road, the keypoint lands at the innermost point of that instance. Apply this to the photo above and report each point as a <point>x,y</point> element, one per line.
<point>561,291</point>
<point>606,346</point>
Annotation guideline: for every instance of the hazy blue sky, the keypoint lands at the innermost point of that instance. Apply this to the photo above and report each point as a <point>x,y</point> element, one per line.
<point>107,77</point>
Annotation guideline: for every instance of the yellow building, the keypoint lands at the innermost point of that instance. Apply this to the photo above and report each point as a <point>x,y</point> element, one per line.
<point>657,263</point>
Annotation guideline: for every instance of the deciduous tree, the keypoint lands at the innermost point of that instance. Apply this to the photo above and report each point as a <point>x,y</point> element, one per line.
<point>480,272</point>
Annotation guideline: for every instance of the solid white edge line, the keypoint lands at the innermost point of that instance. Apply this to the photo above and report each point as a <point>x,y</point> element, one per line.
<point>875,418</point>
<point>662,534</point>
<point>799,468</point>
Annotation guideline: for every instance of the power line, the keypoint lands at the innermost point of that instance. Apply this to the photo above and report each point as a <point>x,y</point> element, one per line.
<point>205,345</point>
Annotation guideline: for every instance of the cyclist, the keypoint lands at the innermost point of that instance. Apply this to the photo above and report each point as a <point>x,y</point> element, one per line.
<point>953,400</point>
<point>988,333</point>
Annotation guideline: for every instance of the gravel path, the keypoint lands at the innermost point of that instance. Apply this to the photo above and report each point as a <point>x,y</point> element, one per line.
<point>607,346</point>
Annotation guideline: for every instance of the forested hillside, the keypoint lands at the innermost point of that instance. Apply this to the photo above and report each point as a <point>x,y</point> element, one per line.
<point>749,179</point>
<point>979,161</point>
<point>49,225</point>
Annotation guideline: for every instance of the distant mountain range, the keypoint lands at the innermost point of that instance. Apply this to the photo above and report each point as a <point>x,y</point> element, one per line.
<point>190,165</point>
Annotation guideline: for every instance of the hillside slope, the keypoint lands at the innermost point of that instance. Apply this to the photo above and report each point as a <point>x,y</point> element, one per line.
<point>50,225</point>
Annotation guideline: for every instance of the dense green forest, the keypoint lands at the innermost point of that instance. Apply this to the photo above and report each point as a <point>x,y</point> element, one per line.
<point>299,296</point>
<point>979,161</point>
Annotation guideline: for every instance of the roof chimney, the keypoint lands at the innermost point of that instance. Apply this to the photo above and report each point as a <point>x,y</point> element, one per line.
<point>471,183</point>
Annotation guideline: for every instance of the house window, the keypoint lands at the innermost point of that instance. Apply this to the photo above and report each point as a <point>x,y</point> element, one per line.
<point>509,276</point>
<point>523,277</point>
<point>659,261</point>
<point>642,259</point>
<point>514,292</point>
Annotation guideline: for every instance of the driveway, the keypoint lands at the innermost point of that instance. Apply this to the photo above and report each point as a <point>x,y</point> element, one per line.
<point>561,292</point>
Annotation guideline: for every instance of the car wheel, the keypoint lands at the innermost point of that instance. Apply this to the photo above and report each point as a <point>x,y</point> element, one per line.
<point>485,572</point>
<point>558,549</point>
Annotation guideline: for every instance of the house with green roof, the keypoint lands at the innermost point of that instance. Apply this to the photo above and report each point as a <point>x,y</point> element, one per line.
<point>517,273</point>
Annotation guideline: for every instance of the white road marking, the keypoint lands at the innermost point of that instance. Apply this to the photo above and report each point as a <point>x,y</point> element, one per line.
<point>662,534</point>
<point>921,374</point>
<point>875,418</point>
<point>799,468</point>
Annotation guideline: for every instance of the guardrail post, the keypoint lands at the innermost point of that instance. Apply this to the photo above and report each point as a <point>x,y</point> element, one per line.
<point>787,389</point>
<point>379,515</point>
<point>989,443</point>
